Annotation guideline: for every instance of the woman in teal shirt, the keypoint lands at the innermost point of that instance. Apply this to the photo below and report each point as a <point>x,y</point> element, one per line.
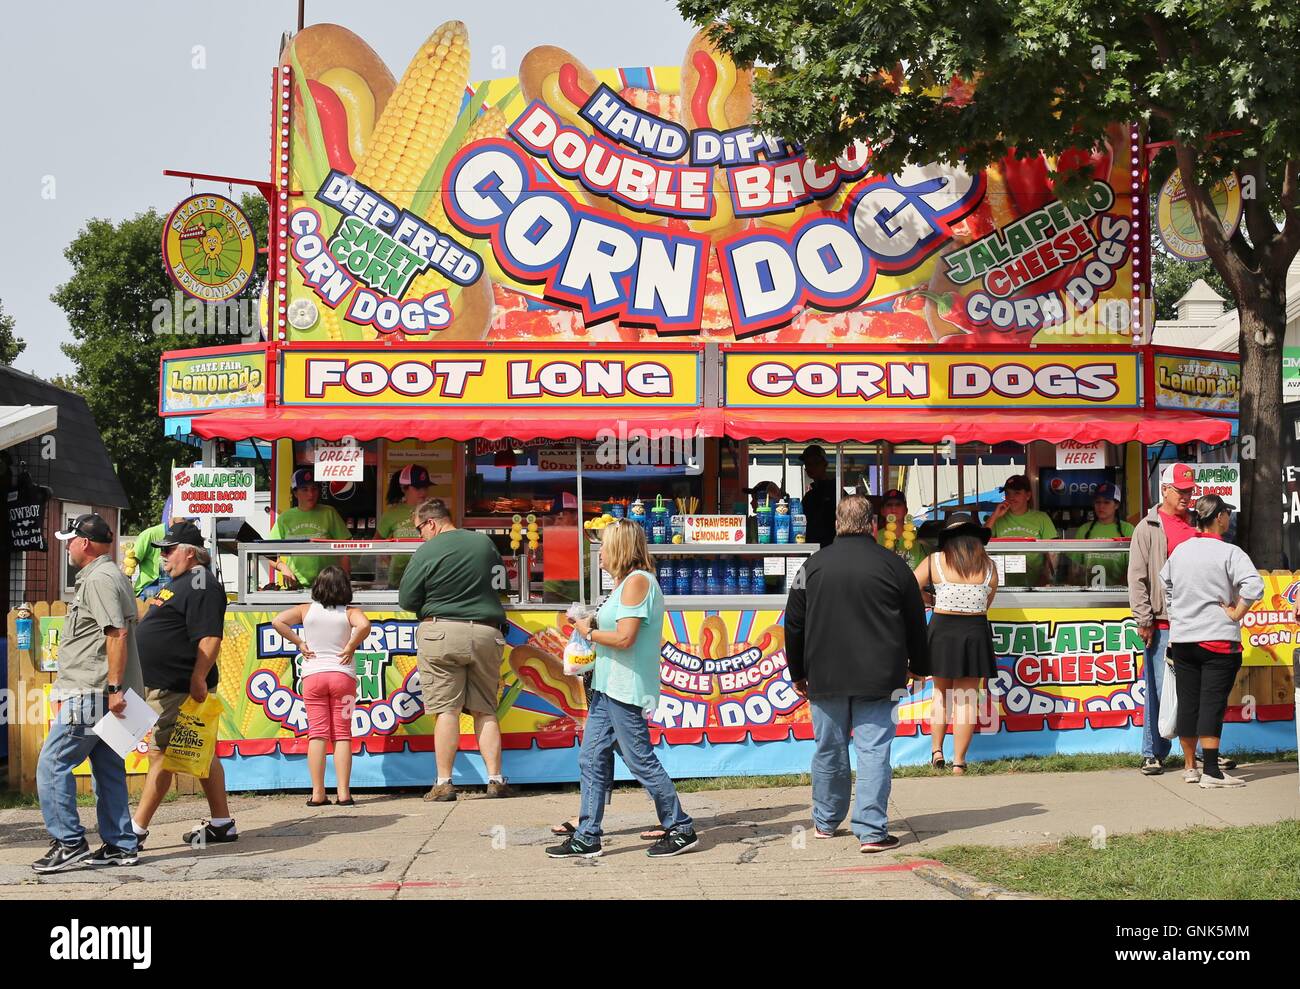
<point>624,693</point>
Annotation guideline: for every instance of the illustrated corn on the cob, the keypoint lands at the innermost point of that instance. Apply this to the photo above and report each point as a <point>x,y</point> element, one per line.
<point>232,663</point>
<point>279,665</point>
<point>418,116</point>
<point>405,664</point>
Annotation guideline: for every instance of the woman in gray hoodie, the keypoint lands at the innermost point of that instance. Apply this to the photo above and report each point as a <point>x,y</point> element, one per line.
<point>1210,585</point>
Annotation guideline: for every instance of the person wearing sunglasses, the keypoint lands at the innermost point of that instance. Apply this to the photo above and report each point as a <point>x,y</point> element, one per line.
<point>1209,584</point>
<point>98,663</point>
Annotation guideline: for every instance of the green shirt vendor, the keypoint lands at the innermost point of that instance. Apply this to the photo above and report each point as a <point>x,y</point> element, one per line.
<point>408,488</point>
<point>308,519</point>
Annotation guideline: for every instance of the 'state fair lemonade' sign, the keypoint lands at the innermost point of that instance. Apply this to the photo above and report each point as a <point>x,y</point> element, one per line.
<point>216,491</point>
<point>208,248</point>
<point>494,378</point>
<point>1204,384</point>
<point>569,203</point>
<point>906,380</point>
<point>212,382</point>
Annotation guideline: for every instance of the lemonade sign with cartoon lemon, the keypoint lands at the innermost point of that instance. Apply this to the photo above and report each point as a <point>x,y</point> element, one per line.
<point>1177,225</point>
<point>208,248</point>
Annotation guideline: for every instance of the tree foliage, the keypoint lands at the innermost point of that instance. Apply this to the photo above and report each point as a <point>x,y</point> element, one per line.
<point>1216,78</point>
<point>10,345</point>
<point>119,303</point>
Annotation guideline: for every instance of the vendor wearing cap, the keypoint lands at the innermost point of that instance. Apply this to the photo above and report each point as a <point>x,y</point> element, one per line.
<point>1107,524</point>
<point>819,501</point>
<point>407,490</point>
<point>894,505</point>
<point>1015,519</point>
<point>308,519</point>
<point>1160,532</point>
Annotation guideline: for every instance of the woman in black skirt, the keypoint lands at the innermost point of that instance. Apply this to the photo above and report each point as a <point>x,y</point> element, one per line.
<point>961,641</point>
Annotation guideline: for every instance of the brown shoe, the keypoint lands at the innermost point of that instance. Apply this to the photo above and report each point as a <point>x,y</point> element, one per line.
<point>442,793</point>
<point>499,790</point>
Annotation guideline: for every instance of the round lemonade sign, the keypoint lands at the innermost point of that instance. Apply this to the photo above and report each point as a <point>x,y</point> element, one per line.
<point>208,248</point>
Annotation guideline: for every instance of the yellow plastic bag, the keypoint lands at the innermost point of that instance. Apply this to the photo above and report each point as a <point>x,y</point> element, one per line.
<point>194,739</point>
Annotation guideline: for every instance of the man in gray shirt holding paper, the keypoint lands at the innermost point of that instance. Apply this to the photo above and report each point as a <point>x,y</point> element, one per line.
<point>97,665</point>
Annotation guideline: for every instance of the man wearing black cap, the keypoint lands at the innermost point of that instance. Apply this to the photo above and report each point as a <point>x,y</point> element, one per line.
<point>1016,519</point>
<point>180,638</point>
<point>97,664</point>
<point>819,501</point>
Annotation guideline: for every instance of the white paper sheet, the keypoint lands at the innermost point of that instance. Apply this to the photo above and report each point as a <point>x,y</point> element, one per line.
<point>123,734</point>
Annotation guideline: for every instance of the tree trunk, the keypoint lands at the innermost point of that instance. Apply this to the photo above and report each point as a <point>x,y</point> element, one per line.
<point>1259,525</point>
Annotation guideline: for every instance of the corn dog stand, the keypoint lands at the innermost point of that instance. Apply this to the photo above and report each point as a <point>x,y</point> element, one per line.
<point>490,295</point>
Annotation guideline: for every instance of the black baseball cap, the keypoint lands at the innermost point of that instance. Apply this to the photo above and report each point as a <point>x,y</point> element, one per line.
<point>1017,482</point>
<point>90,526</point>
<point>813,451</point>
<point>414,476</point>
<point>762,487</point>
<point>180,534</point>
<point>302,477</point>
<point>893,494</point>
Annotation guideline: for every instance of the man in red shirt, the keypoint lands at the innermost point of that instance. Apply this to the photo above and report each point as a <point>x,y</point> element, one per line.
<point>1160,532</point>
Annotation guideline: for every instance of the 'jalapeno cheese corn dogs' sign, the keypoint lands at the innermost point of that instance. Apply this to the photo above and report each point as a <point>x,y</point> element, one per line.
<point>483,377</point>
<point>621,205</point>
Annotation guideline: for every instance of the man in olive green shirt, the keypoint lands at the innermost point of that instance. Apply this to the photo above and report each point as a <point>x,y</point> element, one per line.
<point>309,519</point>
<point>453,584</point>
<point>98,663</point>
<point>1015,519</point>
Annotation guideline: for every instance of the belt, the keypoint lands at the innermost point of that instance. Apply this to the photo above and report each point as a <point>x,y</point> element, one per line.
<point>463,621</point>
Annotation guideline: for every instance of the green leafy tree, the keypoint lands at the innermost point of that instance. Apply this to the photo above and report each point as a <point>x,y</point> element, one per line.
<point>1217,78</point>
<point>121,308</point>
<point>1171,278</point>
<point>10,345</point>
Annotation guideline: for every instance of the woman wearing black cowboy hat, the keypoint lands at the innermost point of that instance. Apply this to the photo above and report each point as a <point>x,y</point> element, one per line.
<point>961,641</point>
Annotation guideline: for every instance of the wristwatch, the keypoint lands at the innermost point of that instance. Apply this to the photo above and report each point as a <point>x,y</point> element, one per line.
<point>114,688</point>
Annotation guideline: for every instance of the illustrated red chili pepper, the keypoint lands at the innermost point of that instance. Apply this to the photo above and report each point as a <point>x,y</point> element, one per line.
<point>569,85</point>
<point>333,126</point>
<point>1027,181</point>
<point>708,71</point>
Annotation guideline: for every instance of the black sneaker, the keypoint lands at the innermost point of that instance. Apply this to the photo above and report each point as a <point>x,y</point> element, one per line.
<point>884,844</point>
<point>61,856</point>
<point>574,847</point>
<point>208,833</point>
<point>112,855</point>
<point>675,842</point>
<point>1152,767</point>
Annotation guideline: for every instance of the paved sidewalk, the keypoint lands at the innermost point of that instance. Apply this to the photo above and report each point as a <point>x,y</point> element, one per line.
<point>755,844</point>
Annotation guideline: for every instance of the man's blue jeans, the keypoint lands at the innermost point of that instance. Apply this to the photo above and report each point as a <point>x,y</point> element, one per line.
<point>69,743</point>
<point>872,724</point>
<point>609,722</point>
<point>1153,675</point>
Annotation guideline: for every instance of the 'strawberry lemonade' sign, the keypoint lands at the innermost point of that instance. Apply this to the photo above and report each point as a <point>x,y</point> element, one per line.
<point>845,380</point>
<point>485,377</point>
<point>566,203</point>
<point>713,528</point>
<point>215,491</point>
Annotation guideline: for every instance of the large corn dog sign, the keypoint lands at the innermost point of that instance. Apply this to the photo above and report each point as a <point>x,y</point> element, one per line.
<point>574,204</point>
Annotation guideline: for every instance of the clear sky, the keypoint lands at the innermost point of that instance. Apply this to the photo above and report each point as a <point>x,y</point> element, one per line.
<point>101,96</point>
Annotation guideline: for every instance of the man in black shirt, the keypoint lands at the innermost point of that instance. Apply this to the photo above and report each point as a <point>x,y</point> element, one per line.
<point>819,500</point>
<point>855,627</point>
<point>179,639</point>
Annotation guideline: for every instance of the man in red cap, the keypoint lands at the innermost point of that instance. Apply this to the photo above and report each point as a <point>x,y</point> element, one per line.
<point>1159,533</point>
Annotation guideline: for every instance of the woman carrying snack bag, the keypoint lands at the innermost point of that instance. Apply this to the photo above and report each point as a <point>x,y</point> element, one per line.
<point>331,633</point>
<point>625,692</point>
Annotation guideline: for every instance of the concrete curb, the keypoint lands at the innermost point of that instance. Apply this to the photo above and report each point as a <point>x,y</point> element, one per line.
<point>967,886</point>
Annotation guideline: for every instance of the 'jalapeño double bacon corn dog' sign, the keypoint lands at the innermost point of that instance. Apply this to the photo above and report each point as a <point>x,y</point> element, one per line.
<point>626,205</point>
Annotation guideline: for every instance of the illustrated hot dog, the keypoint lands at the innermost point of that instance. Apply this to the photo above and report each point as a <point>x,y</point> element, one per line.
<point>771,641</point>
<point>713,637</point>
<point>349,84</point>
<point>543,674</point>
<point>717,95</point>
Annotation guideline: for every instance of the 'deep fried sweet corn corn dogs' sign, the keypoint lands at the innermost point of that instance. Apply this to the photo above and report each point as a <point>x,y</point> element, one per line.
<point>566,203</point>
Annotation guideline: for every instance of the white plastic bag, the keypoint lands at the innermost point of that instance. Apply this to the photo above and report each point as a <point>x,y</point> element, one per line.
<point>579,653</point>
<point>1169,703</point>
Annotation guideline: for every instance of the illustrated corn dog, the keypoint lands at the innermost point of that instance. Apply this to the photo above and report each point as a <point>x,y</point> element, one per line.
<point>717,95</point>
<point>713,637</point>
<point>771,641</point>
<point>543,674</point>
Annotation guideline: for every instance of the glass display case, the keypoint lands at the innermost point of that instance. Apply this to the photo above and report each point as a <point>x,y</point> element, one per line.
<point>1064,572</point>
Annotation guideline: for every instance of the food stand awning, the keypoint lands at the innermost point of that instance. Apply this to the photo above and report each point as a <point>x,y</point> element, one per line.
<point>974,426</point>
<point>488,423</point>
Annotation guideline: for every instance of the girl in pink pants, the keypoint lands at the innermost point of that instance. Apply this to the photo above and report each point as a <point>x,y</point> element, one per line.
<point>331,633</point>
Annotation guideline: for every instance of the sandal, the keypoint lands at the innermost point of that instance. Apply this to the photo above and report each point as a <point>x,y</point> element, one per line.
<point>653,834</point>
<point>323,803</point>
<point>350,802</point>
<point>936,759</point>
<point>564,828</point>
<point>959,769</point>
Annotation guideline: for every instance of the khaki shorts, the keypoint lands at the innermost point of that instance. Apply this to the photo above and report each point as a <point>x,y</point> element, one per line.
<point>460,666</point>
<point>168,704</point>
